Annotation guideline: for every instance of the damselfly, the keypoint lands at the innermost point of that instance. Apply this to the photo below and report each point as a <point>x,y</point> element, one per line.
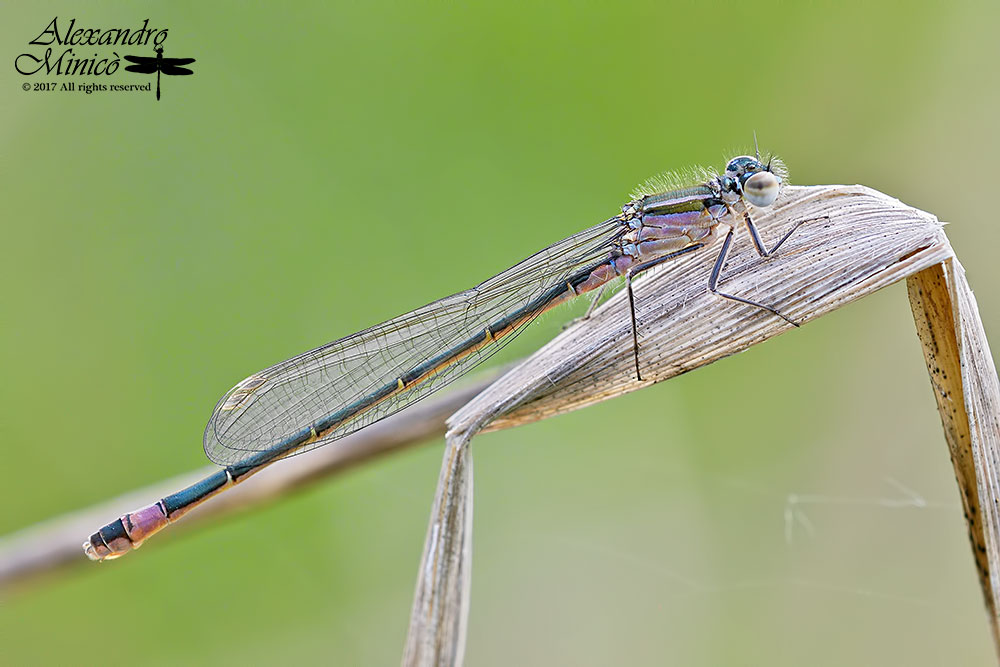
<point>327,393</point>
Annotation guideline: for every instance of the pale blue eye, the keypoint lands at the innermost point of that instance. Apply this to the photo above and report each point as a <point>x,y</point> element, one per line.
<point>761,189</point>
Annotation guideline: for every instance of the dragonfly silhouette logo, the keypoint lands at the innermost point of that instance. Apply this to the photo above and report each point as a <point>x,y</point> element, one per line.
<point>159,65</point>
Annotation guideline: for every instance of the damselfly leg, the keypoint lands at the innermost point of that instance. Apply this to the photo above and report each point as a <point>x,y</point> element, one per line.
<point>590,309</point>
<point>635,270</point>
<point>755,235</point>
<point>713,280</point>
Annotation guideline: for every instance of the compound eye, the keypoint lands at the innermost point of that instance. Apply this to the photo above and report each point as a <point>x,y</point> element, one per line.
<point>761,189</point>
<point>738,165</point>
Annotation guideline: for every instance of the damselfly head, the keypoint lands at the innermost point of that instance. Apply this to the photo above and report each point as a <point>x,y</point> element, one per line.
<point>757,182</point>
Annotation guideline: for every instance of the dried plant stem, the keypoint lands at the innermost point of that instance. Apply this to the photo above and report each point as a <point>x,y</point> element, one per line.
<point>441,602</point>
<point>967,392</point>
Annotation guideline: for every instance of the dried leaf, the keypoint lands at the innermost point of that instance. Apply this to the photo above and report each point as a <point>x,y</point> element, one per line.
<point>855,242</point>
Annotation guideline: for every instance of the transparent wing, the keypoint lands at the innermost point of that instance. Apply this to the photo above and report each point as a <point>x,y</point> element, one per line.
<point>279,401</point>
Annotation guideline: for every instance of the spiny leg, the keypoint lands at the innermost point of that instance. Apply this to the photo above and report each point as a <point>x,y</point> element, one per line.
<point>635,270</point>
<point>590,309</point>
<point>755,235</point>
<point>593,304</point>
<point>713,280</point>
<point>635,329</point>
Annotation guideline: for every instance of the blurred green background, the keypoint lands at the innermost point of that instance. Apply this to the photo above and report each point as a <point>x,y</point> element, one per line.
<point>332,165</point>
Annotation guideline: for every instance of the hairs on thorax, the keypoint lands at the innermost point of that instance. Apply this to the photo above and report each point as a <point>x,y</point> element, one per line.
<point>692,176</point>
<point>673,180</point>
